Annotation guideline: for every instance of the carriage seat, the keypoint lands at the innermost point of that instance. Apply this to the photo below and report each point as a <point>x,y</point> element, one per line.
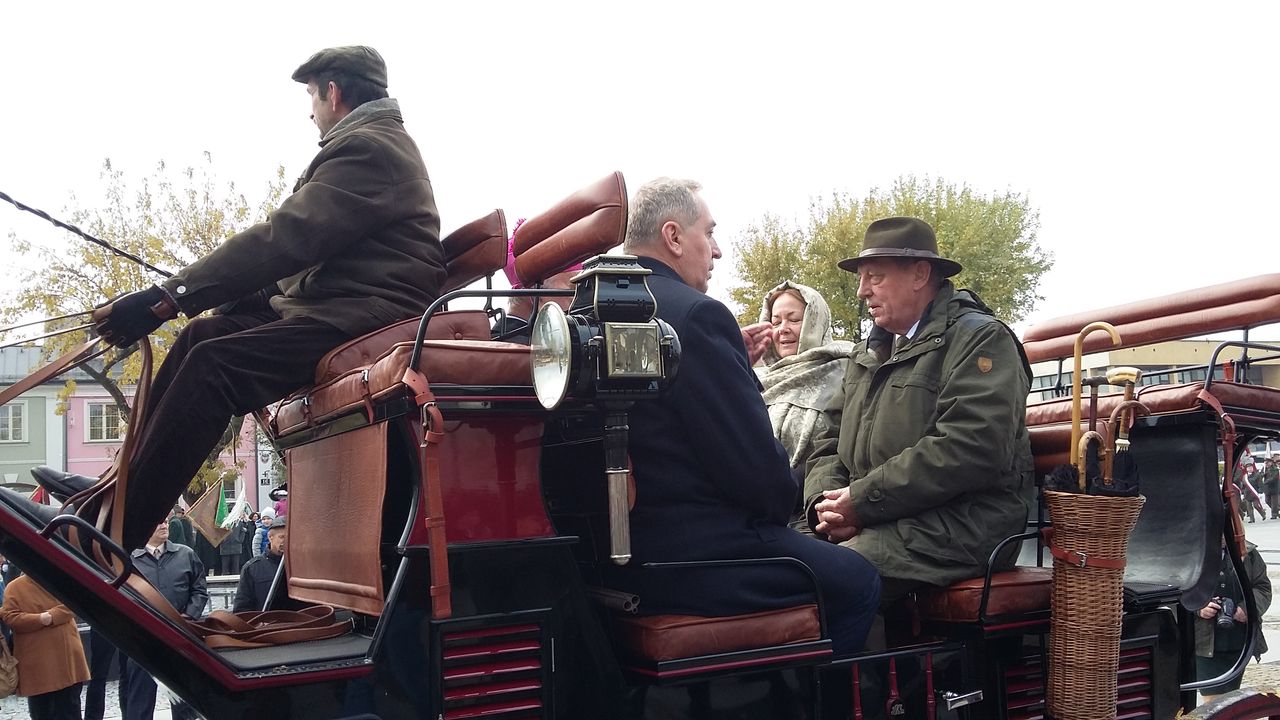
<point>659,638</point>
<point>443,362</point>
<point>1020,591</point>
<point>1049,421</point>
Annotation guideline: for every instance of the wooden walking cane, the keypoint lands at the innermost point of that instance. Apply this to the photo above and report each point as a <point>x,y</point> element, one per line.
<point>1077,391</point>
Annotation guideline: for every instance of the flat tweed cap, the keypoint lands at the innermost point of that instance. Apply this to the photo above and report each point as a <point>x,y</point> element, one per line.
<point>359,60</point>
<point>904,237</point>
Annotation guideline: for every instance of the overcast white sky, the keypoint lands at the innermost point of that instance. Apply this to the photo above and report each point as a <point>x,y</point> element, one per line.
<point>1145,132</point>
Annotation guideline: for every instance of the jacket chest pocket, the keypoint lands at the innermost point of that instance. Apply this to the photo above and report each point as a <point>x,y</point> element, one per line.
<point>912,400</point>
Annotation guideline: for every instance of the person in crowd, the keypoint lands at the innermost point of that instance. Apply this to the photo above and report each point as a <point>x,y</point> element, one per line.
<point>176,572</point>
<point>804,370</point>
<point>516,323</point>
<point>4,581</point>
<point>8,571</point>
<point>206,552</point>
<point>355,248</point>
<point>101,653</point>
<point>246,529</point>
<point>280,499</point>
<point>926,464</point>
<point>229,551</point>
<point>181,530</point>
<point>260,572</point>
<point>712,482</point>
<point>51,662</point>
<point>1245,477</point>
<point>1219,642</point>
<point>1271,479</point>
<point>260,539</point>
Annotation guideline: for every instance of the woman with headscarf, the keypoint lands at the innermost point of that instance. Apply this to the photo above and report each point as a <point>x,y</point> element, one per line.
<point>805,368</point>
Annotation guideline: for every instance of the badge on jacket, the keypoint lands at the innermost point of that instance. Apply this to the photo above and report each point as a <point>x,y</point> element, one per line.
<point>984,364</point>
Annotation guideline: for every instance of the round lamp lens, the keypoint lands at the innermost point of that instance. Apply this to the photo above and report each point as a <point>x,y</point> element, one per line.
<point>550,355</point>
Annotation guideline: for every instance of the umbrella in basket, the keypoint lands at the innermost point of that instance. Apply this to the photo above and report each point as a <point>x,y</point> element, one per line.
<point>1074,477</point>
<point>1120,479</point>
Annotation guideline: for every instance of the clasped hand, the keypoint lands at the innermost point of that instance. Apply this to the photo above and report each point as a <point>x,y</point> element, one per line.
<point>836,517</point>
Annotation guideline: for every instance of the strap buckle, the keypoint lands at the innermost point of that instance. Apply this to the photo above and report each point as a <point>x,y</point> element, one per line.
<point>1083,559</point>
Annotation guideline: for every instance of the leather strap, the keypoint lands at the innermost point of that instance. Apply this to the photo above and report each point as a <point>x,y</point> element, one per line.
<point>1229,469</point>
<point>221,629</point>
<point>1079,559</point>
<point>429,466</point>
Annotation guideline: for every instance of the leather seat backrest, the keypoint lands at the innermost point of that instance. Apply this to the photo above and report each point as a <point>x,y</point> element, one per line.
<point>587,223</point>
<point>475,250</point>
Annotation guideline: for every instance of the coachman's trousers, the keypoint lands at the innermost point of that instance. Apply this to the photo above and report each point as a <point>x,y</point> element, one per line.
<point>219,367</point>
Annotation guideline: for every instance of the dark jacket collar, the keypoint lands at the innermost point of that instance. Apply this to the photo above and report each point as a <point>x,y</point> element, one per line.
<point>166,548</point>
<point>659,268</point>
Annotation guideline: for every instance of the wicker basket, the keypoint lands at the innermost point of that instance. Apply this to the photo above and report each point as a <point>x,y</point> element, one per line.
<point>1084,633</point>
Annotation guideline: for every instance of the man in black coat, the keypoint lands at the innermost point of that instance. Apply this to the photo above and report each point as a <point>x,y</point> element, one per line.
<point>712,482</point>
<point>260,572</point>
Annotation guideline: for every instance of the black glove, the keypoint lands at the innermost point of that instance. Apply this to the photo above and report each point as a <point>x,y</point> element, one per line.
<point>130,317</point>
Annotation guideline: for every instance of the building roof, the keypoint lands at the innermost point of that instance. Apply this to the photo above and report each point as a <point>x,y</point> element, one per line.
<point>19,362</point>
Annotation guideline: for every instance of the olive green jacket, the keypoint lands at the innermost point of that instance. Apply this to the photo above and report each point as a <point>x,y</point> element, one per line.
<point>356,245</point>
<point>1256,568</point>
<point>932,443</point>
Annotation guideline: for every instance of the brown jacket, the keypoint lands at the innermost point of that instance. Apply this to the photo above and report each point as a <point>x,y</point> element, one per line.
<point>50,657</point>
<point>356,245</point>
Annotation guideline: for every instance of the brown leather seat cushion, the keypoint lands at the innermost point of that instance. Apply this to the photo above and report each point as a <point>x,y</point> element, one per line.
<point>456,362</point>
<point>1017,591</point>
<point>364,350</point>
<point>659,638</point>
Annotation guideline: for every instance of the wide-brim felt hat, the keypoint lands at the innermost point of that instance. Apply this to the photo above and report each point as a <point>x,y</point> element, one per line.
<point>901,237</point>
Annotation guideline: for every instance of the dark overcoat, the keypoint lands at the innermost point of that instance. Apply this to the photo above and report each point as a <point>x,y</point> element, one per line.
<point>713,483</point>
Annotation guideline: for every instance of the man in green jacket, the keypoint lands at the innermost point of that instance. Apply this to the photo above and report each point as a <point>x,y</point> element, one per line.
<point>927,465</point>
<point>356,247</point>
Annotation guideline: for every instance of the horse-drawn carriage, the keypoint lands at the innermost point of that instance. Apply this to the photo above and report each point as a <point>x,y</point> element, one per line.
<point>465,527</point>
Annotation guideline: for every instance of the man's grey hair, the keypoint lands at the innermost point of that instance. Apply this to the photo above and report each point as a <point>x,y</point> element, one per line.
<point>657,202</point>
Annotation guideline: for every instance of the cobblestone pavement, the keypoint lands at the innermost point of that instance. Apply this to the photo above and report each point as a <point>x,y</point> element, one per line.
<point>15,708</point>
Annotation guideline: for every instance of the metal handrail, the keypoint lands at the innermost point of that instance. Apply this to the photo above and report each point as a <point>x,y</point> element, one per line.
<point>444,300</point>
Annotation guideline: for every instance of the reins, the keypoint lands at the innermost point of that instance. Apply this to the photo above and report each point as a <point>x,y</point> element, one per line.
<point>73,229</point>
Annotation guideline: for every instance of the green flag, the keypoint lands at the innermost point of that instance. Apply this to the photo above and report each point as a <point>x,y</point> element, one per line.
<point>222,508</point>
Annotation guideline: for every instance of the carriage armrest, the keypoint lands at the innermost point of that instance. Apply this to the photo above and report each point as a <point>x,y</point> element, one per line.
<point>475,250</point>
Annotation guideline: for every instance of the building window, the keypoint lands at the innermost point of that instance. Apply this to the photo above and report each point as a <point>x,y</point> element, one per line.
<point>13,422</point>
<point>105,422</point>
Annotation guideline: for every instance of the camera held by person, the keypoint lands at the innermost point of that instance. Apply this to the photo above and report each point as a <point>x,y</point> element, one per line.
<point>1225,619</point>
